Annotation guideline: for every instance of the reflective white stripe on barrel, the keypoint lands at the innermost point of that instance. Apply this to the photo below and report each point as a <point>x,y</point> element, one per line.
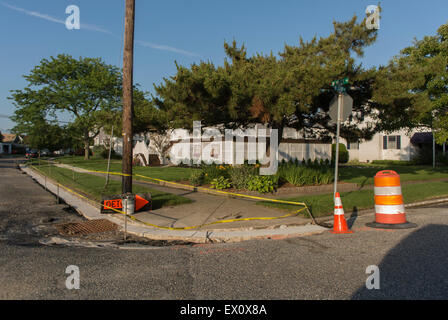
<point>395,209</point>
<point>387,191</point>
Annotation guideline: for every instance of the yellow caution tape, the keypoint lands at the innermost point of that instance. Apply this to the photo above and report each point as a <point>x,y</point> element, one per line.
<point>305,207</point>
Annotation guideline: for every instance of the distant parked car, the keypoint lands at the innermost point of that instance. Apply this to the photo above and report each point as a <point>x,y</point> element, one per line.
<point>45,152</point>
<point>31,154</point>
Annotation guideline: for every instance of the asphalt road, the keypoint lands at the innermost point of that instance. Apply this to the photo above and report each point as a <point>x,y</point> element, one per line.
<point>413,263</point>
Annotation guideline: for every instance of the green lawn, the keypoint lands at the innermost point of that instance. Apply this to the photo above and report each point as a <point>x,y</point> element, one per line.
<point>166,173</point>
<point>322,205</point>
<point>93,186</point>
<point>363,174</point>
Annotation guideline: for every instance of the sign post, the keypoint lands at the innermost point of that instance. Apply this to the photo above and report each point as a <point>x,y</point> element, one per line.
<point>340,110</point>
<point>338,130</point>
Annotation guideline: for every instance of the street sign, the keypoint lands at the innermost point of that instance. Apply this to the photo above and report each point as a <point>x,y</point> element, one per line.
<point>340,110</point>
<point>340,85</point>
<point>112,203</point>
<point>346,108</point>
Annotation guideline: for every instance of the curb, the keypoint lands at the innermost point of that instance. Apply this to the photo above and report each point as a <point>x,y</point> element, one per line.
<point>90,211</point>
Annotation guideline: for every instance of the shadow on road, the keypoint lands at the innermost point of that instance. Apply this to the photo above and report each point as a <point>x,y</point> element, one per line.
<point>9,163</point>
<point>417,268</point>
<point>353,217</point>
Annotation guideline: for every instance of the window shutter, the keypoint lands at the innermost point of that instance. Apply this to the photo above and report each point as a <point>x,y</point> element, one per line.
<point>348,145</point>
<point>385,142</point>
<point>398,142</point>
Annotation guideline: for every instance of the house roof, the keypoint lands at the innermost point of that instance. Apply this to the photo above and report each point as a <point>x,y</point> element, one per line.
<point>9,137</point>
<point>12,138</point>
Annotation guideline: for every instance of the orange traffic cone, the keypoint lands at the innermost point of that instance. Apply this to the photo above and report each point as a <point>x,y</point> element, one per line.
<point>340,225</point>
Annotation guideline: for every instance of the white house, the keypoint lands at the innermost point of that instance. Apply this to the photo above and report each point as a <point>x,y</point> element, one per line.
<point>383,146</point>
<point>180,145</point>
<point>401,145</point>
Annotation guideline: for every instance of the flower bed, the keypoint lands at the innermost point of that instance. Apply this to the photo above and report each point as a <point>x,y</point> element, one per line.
<point>246,177</point>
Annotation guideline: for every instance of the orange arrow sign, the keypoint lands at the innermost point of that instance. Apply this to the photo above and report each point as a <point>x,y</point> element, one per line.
<point>140,202</point>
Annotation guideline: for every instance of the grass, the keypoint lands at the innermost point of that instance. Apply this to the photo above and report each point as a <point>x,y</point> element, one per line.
<point>165,173</point>
<point>322,205</point>
<point>363,174</point>
<point>93,187</point>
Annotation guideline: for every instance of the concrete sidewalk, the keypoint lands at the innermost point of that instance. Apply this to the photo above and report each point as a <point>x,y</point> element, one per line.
<point>206,208</point>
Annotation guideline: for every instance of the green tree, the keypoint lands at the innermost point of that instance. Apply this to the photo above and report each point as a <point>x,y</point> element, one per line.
<point>413,88</point>
<point>292,90</point>
<point>146,116</point>
<point>86,88</point>
<point>44,135</point>
<point>201,92</point>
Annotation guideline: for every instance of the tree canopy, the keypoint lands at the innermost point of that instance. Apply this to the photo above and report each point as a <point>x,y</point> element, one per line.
<point>86,88</point>
<point>291,90</point>
<point>413,88</point>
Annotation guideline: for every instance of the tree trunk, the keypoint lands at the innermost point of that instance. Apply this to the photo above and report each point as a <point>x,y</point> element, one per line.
<point>86,146</point>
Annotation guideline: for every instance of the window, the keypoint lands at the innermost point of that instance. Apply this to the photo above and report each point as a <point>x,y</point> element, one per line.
<point>391,142</point>
<point>353,145</point>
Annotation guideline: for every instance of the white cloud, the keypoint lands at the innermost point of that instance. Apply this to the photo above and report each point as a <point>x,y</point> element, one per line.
<point>99,29</point>
<point>33,13</point>
<point>165,48</point>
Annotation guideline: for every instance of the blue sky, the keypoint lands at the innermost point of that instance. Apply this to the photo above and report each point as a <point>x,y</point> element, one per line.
<point>190,31</point>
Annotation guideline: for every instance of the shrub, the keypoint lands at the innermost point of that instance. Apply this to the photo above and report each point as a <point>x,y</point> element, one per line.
<point>423,155</point>
<point>393,162</point>
<point>113,154</point>
<point>293,175</point>
<point>239,176</point>
<point>326,177</point>
<point>98,150</point>
<point>103,152</point>
<point>213,171</point>
<point>343,153</point>
<point>262,184</point>
<point>136,162</point>
<point>442,159</point>
<point>196,178</point>
<point>81,152</point>
<point>220,183</point>
<point>303,176</point>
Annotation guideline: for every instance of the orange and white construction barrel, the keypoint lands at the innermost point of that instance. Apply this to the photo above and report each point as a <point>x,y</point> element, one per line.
<point>389,205</point>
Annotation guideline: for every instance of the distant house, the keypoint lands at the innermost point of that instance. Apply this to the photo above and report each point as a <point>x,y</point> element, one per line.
<point>10,143</point>
<point>402,145</point>
<point>398,145</point>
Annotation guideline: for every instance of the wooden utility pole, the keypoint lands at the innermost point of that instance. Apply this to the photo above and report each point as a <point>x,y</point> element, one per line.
<point>128,64</point>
